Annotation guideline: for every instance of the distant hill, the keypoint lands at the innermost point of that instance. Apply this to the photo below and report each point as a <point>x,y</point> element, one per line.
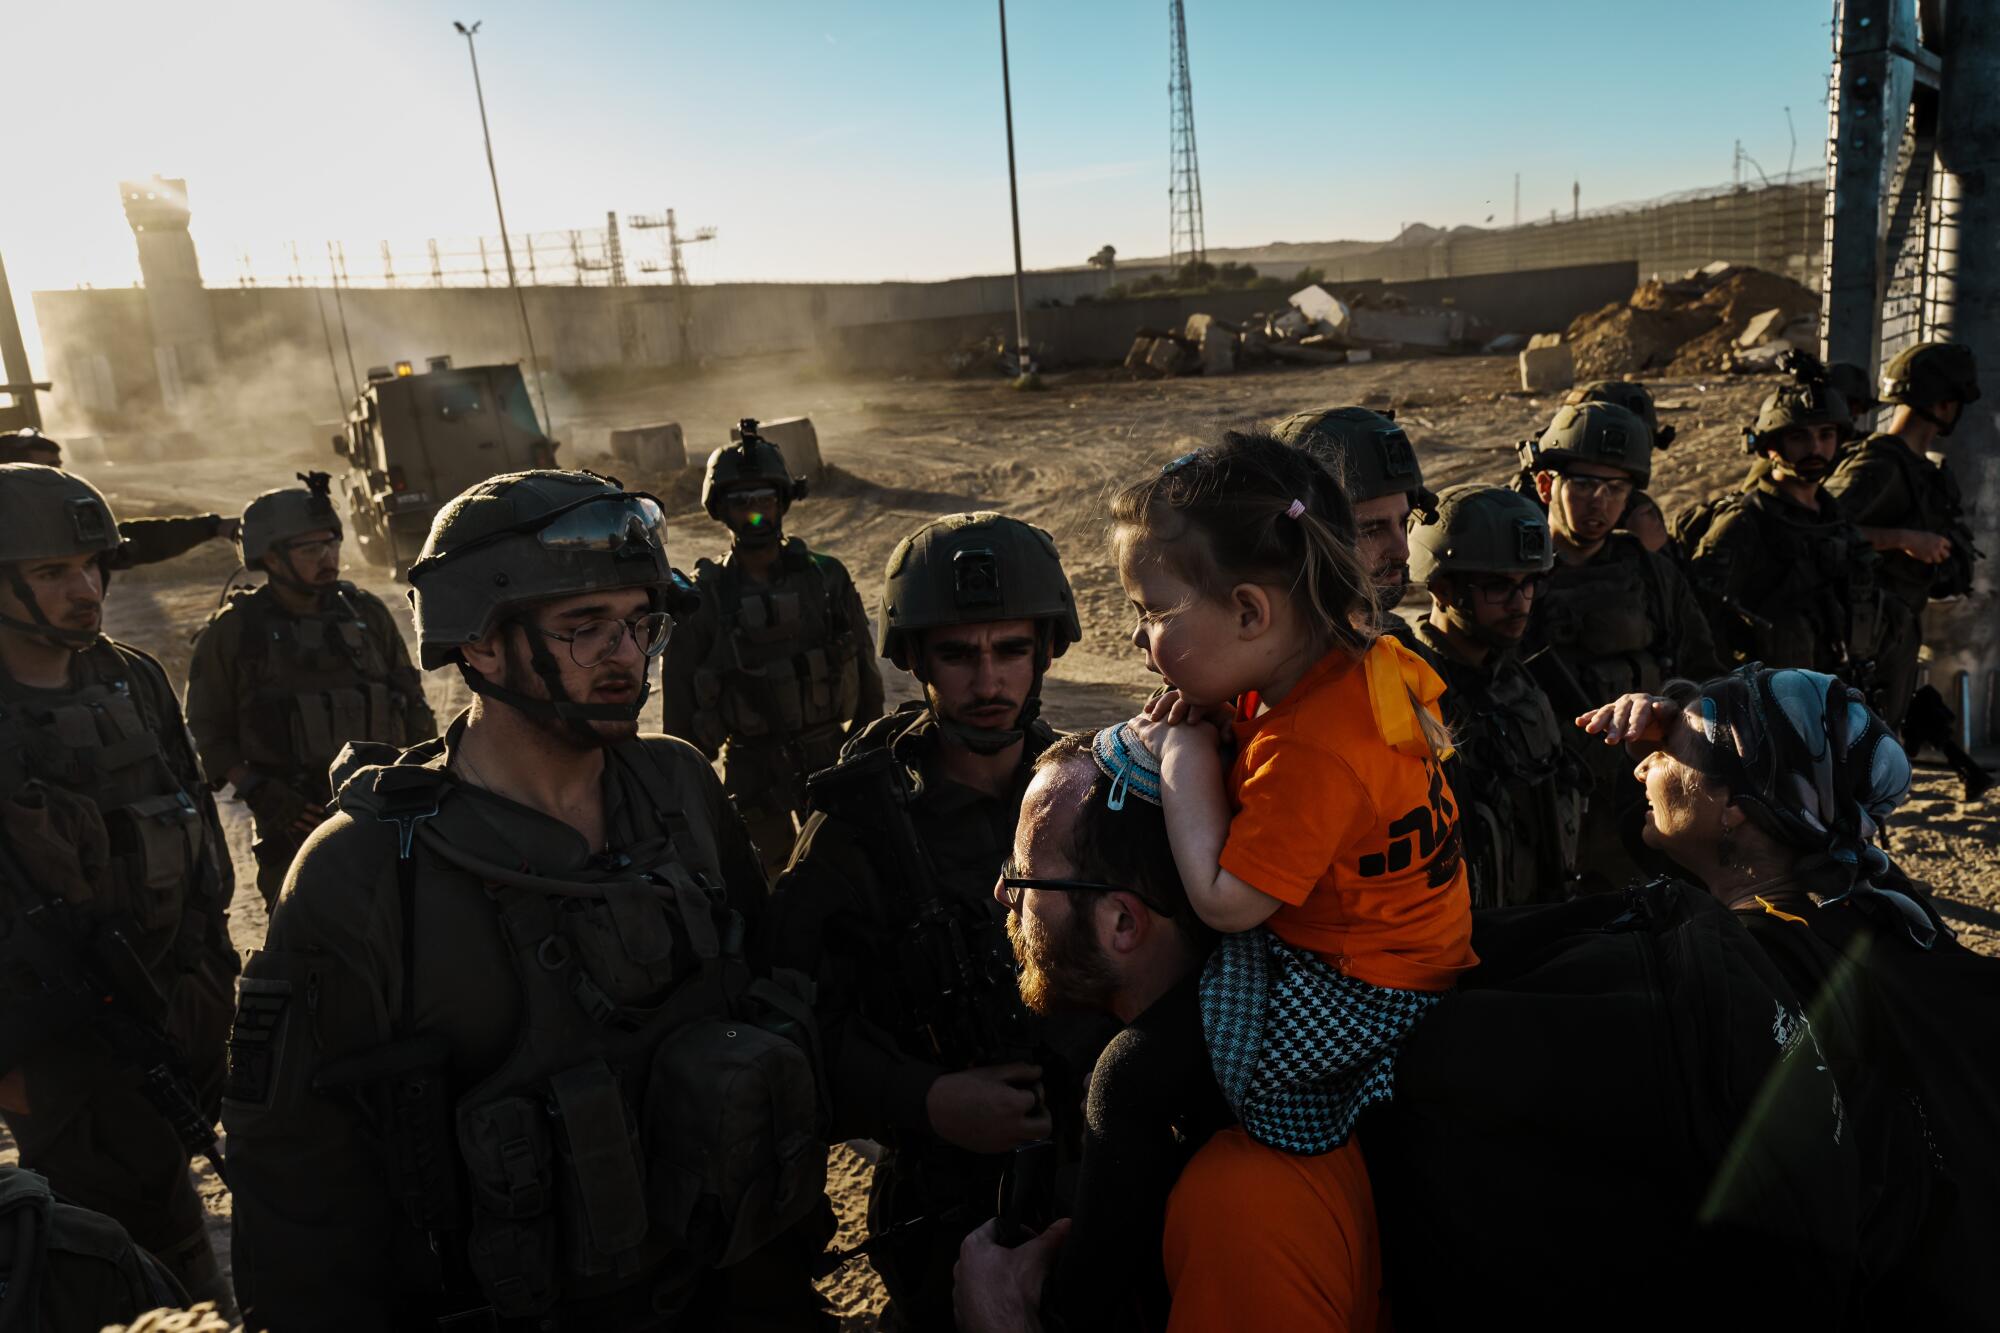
<point>1278,254</point>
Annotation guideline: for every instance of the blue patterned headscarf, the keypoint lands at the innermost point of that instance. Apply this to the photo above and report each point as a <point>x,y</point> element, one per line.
<point>1816,768</point>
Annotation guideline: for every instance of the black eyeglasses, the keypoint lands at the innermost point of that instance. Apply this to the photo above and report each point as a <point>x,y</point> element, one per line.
<point>1498,590</point>
<point>595,640</point>
<point>1013,886</point>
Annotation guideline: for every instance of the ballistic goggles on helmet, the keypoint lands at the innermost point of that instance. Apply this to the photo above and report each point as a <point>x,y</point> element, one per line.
<point>604,524</point>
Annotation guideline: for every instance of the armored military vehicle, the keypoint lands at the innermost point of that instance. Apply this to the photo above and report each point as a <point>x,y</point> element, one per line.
<point>414,439</point>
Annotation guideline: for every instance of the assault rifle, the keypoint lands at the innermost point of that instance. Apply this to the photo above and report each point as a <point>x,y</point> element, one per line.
<point>1930,722</point>
<point>60,970</point>
<point>958,979</point>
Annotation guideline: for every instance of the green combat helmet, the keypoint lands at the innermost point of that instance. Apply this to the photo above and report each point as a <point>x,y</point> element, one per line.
<point>1634,397</point>
<point>749,460</point>
<point>281,515</point>
<point>1597,433</point>
<point>51,515</point>
<point>1367,452</point>
<point>969,569</point>
<point>512,541</point>
<point>1925,374</point>
<point>1851,383</point>
<point>1808,404</point>
<point>1480,529</point>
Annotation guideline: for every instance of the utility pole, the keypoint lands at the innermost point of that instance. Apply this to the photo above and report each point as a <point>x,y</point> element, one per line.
<point>1021,366</point>
<point>506,246</point>
<point>1575,201</point>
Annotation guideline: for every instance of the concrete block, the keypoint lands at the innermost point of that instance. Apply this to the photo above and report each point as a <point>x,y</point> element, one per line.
<point>1291,324</point>
<point>1414,328</point>
<point>1541,340</point>
<point>659,447</point>
<point>798,442</point>
<point>1218,350</point>
<point>1761,329</point>
<point>1167,357</point>
<point>1360,356</point>
<point>1320,306</point>
<point>1547,368</point>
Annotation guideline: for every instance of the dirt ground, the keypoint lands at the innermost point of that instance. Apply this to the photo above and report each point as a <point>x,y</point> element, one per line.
<point>904,451</point>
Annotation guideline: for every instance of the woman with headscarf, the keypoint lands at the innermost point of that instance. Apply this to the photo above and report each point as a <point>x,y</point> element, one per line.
<point>1770,788</point>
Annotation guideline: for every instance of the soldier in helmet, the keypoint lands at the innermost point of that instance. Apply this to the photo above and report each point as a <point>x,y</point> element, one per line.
<point>1909,508</point>
<point>1485,554</point>
<point>285,675</point>
<point>501,1063</point>
<point>147,541</point>
<point>776,669</point>
<point>1618,617</point>
<point>928,1047</point>
<point>1784,576</point>
<point>109,827</point>
<point>1371,457</point>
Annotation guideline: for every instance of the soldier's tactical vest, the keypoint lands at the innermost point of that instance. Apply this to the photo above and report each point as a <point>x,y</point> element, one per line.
<point>1520,790</point>
<point>657,1114</point>
<point>1939,507</point>
<point>1815,587</point>
<point>784,668</point>
<point>99,743</point>
<point>1608,620</point>
<point>310,685</point>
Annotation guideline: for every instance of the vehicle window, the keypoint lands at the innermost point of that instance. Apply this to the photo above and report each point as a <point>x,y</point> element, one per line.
<point>456,402</point>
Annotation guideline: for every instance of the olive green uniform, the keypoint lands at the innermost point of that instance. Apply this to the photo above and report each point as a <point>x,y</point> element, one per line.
<point>283,693</point>
<point>774,676</point>
<point>841,914</point>
<point>572,1124</point>
<point>1786,585</point>
<point>70,1268</point>
<point>1883,483</point>
<point>148,541</point>
<point>114,738</point>
<point>1520,787</point>
<point>1623,621</point>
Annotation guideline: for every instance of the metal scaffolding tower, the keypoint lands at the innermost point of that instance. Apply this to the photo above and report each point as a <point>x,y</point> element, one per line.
<point>1913,254</point>
<point>677,274</point>
<point>1187,243</point>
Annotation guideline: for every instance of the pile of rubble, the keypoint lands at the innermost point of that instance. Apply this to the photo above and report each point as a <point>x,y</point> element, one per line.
<point>1721,318</point>
<point>1315,328</point>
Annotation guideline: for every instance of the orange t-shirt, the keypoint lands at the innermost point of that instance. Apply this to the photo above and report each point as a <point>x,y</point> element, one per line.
<point>1344,816</point>
<point>1259,1239</point>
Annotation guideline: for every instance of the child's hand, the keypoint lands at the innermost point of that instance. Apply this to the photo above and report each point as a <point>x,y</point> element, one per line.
<point>1640,720</point>
<point>1176,709</point>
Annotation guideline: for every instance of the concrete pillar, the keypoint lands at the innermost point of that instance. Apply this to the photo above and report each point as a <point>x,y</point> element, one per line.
<point>1867,107</point>
<point>1965,635</point>
<point>184,346</point>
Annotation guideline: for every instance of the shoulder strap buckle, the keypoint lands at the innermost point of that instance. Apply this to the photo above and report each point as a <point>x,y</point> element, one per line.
<point>406,797</point>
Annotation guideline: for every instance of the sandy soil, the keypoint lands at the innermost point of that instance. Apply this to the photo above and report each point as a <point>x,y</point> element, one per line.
<point>904,451</point>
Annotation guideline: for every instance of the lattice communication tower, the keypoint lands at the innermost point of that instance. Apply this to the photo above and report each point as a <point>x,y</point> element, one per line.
<point>1187,243</point>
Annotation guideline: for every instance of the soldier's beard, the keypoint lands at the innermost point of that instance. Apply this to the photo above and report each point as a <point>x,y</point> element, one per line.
<point>1062,967</point>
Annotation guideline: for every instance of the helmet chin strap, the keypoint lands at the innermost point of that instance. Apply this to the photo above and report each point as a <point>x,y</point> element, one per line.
<point>40,626</point>
<point>558,705</point>
<point>1943,427</point>
<point>763,534</point>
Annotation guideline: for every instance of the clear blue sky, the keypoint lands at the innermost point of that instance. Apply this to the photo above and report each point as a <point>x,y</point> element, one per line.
<point>846,140</point>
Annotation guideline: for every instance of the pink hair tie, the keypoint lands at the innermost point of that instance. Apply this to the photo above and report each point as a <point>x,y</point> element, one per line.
<point>1297,510</point>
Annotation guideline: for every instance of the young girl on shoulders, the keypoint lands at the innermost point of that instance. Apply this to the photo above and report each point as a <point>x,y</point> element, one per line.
<point>1329,849</point>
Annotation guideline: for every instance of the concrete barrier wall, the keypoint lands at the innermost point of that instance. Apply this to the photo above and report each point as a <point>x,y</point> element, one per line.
<point>100,347</point>
<point>1099,333</point>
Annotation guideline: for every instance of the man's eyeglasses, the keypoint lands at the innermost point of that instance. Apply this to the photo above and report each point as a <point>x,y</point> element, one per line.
<point>1499,589</point>
<point>596,640</point>
<point>1013,887</point>
<point>313,550</point>
<point>1616,488</point>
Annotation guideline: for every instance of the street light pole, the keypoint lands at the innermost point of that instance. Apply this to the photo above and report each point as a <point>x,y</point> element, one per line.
<point>506,246</point>
<point>1021,363</point>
